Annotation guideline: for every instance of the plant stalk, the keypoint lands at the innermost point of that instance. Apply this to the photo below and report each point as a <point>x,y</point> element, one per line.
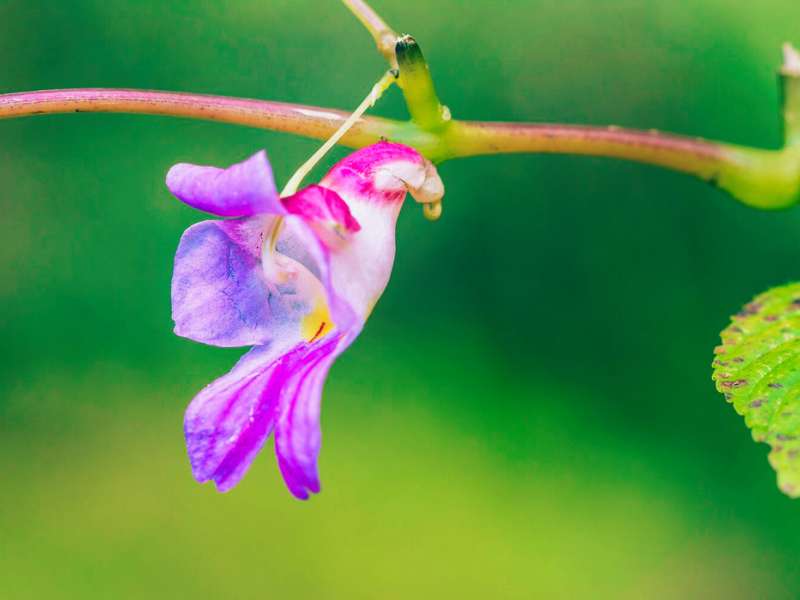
<point>384,36</point>
<point>417,85</point>
<point>761,178</point>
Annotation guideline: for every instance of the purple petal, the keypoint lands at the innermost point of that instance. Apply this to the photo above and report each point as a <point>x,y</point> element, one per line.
<point>297,430</point>
<point>244,189</point>
<point>220,295</point>
<point>228,422</point>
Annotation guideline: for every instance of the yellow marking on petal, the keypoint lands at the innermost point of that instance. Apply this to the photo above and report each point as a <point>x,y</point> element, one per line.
<point>318,323</point>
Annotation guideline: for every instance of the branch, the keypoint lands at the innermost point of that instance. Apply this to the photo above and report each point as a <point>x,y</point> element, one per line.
<point>689,155</point>
<point>384,36</point>
<point>417,85</point>
<point>467,138</point>
<point>299,119</point>
<point>404,54</point>
<point>761,178</point>
<point>766,179</point>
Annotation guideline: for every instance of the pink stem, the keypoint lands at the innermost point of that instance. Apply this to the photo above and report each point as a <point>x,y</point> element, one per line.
<point>309,121</point>
<point>461,138</point>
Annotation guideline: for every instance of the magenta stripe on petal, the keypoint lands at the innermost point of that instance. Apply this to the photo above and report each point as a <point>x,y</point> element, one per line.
<point>260,423</point>
<point>218,414</point>
<point>297,431</point>
<point>379,173</point>
<point>316,203</point>
<point>271,387</point>
<point>228,422</point>
<point>299,470</point>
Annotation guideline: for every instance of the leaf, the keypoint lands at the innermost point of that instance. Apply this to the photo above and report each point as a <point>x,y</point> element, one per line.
<point>757,368</point>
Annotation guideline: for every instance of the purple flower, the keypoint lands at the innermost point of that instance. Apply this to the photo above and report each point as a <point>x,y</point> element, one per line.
<point>294,277</point>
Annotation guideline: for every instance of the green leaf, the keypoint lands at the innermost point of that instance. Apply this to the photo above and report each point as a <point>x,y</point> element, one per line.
<point>757,368</point>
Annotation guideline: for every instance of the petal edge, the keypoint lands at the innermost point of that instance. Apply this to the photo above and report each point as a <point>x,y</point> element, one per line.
<point>243,189</point>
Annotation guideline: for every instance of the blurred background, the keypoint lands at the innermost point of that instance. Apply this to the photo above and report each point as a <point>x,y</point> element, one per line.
<point>529,412</point>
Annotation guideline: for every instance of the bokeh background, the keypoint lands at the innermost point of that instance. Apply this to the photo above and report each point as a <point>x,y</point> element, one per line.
<point>529,412</point>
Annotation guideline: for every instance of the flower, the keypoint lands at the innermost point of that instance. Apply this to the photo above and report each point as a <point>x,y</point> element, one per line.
<point>294,277</point>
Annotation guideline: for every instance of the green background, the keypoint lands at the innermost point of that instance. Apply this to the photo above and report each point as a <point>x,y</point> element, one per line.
<point>529,412</point>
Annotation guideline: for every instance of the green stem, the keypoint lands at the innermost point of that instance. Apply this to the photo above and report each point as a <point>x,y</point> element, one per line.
<point>759,178</point>
<point>694,156</point>
<point>766,179</point>
<point>417,84</point>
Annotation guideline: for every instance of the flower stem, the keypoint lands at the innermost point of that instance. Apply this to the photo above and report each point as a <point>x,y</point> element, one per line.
<point>384,36</point>
<point>762,178</point>
<point>417,85</point>
<point>759,178</point>
<point>466,138</point>
<point>689,155</point>
<point>307,121</point>
<point>373,96</point>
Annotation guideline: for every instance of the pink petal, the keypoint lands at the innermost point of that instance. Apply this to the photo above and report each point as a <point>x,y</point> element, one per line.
<point>383,173</point>
<point>228,422</point>
<point>318,204</point>
<point>297,432</point>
